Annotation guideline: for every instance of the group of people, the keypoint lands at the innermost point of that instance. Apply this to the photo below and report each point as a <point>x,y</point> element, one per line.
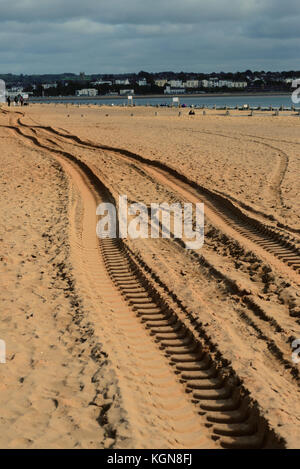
<point>17,100</point>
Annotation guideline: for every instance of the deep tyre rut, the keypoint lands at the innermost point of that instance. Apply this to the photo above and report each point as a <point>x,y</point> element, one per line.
<point>274,240</point>
<point>230,417</point>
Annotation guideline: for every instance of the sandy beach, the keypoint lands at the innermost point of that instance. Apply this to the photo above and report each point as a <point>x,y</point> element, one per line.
<point>141,343</point>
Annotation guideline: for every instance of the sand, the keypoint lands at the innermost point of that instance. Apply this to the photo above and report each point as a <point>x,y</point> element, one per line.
<point>76,354</point>
<point>255,160</point>
<point>47,397</point>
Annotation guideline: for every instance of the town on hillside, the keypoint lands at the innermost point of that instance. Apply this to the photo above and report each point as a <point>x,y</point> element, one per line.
<point>144,83</point>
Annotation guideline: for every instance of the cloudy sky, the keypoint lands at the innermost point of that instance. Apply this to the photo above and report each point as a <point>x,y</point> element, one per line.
<point>117,36</point>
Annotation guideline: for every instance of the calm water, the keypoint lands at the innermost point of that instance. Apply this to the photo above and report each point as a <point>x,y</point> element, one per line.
<point>210,102</point>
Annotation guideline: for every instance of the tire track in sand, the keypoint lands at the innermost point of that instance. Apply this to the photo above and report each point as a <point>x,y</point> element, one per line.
<point>230,417</point>
<point>163,407</point>
<point>273,186</point>
<point>276,247</point>
<point>160,411</point>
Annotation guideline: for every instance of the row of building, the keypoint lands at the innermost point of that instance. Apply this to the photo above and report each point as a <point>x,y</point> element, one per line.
<point>92,92</point>
<point>189,84</point>
<point>180,87</point>
<point>16,91</point>
<point>168,86</point>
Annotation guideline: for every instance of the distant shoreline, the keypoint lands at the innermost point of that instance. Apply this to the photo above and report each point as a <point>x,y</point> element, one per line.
<point>159,96</point>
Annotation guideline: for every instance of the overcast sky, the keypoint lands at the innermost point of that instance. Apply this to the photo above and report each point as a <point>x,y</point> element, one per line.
<point>118,36</point>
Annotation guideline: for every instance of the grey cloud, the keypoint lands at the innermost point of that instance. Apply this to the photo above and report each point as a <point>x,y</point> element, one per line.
<point>117,36</point>
<point>282,28</point>
<point>129,12</point>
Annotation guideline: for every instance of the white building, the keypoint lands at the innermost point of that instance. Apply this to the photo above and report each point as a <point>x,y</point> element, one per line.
<point>238,84</point>
<point>161,83</point>
<point>192,84</point>
<point>176,84</point>
<point>101,82</point>
<point>87,92</point>
<point>205,83</point>
<point>13,94</point>
<point>126,92</point>
<point>171,90</point>
<point>122,82</point>
<point>47,86</point>
<point>142,82</point>
<point>290,80</point>
<point>213,83</point>
<point>224,83</point>
<point>16,89</point>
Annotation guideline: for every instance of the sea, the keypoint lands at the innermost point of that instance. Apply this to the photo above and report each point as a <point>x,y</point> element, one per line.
<point>264,101</point>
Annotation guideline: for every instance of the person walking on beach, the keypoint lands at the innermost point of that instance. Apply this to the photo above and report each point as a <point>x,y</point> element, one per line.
<point>21,100</point>
<point>8,101</point>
